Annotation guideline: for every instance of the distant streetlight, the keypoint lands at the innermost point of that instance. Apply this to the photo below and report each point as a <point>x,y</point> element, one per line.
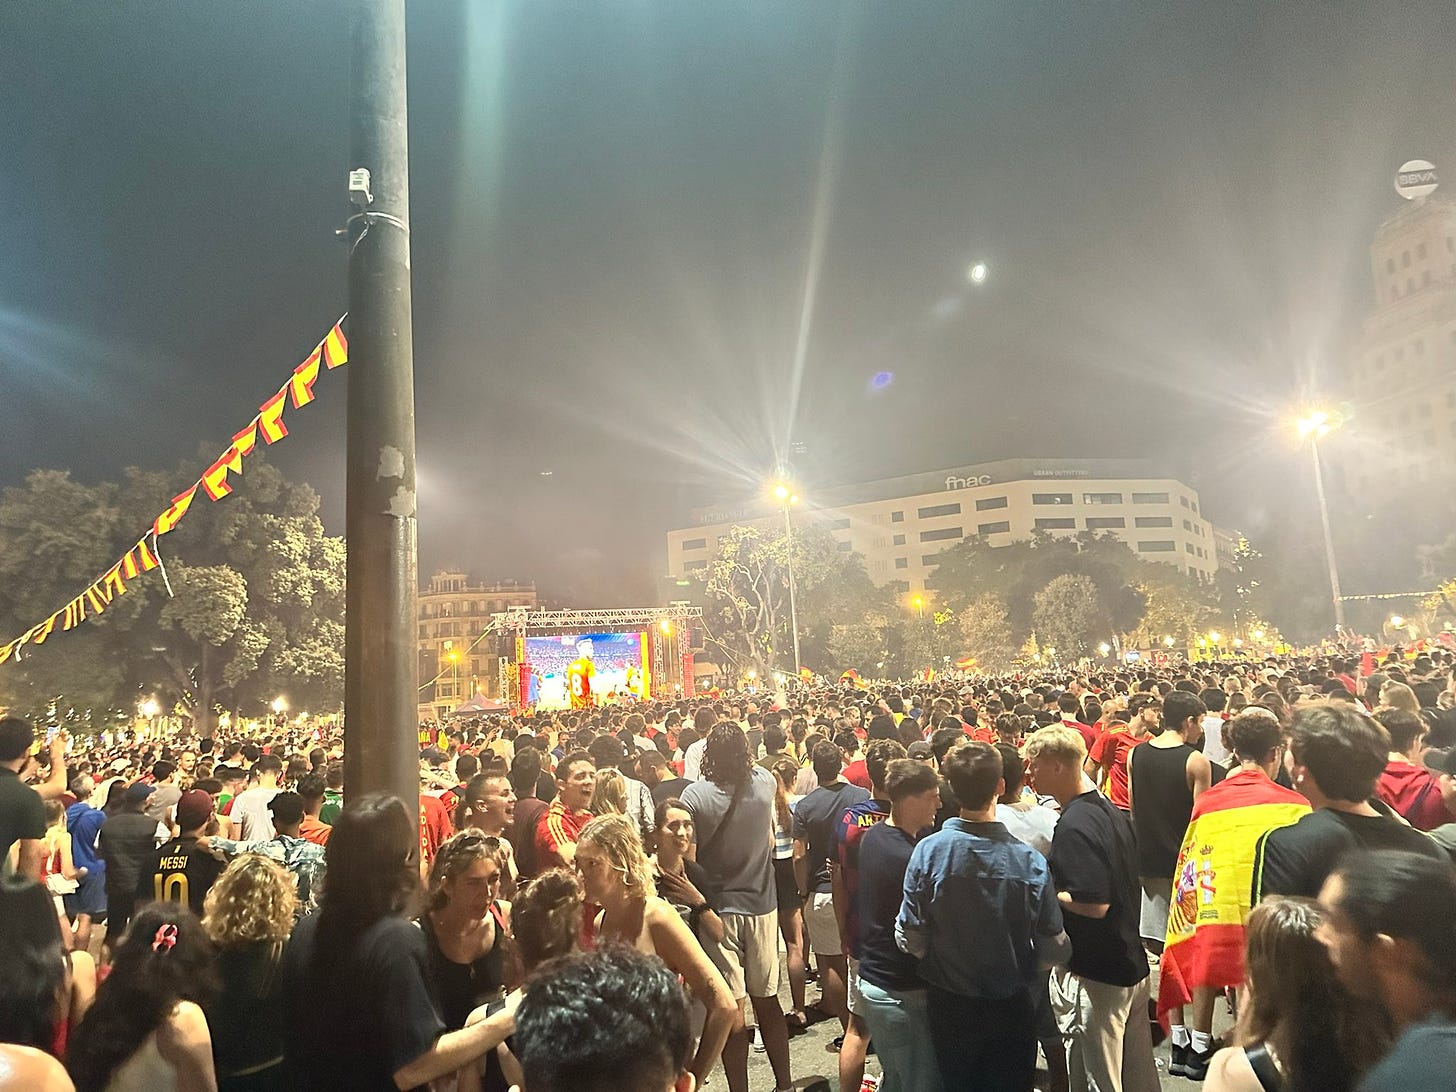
<point>279,704</point>
<point>1215,636</point>
<point>1104,648</point>
<point>785,495</point>
<point>919,604</point>
<point>1315,426</point>
<point>1397,621</point>
<point>665,626</point>
<point>978,273</point>
<point>1257,635</point>
<point>1168,642</point>
<point>454,657</point>
<point>149,708</point>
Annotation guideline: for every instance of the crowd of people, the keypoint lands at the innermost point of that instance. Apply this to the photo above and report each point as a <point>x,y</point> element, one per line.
<point>987,876</point>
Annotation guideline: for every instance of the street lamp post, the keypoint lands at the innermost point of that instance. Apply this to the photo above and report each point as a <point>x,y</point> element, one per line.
<point>785,496</point>
<point>1312,427</point>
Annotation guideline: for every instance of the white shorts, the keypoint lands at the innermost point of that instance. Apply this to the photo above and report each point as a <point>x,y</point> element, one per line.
<point>822,925</point>
<point>748,954</point>
<point>855,999</point>
<point>1153,919</point>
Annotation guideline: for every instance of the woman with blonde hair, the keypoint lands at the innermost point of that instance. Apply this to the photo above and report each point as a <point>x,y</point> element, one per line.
<point>1400,696</point>
<point>248,916</point>
<point>610,795</point>
<point>617,876</point>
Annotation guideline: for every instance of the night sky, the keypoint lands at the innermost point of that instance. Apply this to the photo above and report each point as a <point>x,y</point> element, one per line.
<point>655,242</point>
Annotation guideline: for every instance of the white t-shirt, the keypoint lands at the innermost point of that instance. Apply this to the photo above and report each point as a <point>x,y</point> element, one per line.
<point>250,814</point>
<point>1213,746</point>
<point>693,760</point>
<point>1033,825</point>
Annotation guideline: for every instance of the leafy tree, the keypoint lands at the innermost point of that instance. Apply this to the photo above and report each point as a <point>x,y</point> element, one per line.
<point>985,630</point>
<point>1068,613</point>
<point>258,606</point>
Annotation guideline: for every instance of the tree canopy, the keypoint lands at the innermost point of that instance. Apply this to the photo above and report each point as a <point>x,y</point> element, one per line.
<point>257,610</point>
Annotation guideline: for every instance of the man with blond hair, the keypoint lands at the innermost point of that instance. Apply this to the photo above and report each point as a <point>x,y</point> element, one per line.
<point>1101,998</point>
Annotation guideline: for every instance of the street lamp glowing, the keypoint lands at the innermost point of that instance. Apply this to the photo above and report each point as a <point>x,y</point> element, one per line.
<point>453,656</point>
<point>752,674</point>
<point>1397,621</point>
<point>978,273</point>
<point>665,626</point>
<point>1215,636</point>
<point>782,491</point>
<point>1104,648</point>
<point>149,708</point>
<point>1168,642</point>
<point>1257,635</point>
<point>279,704</point>
<point>1318,423</point>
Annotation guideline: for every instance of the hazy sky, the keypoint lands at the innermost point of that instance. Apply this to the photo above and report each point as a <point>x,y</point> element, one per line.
<point>654,242</point>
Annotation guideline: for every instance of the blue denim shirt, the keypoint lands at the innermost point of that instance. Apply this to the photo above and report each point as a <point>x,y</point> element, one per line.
<point>979,911</point>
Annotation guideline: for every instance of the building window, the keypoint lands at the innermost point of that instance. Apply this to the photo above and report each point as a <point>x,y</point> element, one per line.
<point>1157,546</point>
<point>1425,278</point>
<point>1150,498</point>
<point>1183,501</point>
<point>990,503</point>
<point>1188,547</point>
<point>1101,498</point>
<point>1187,526</point>
<point>994,528</point>
<point>1059,524</point>
<point>899,540</point>
<point>839,525</point>
<point>1405,259</point>
<point>897,517</point>
<point>1421,251</point>
<point>1105,523</point>
<point>929,560</point>
<point>1153,521</point>
<point>695,544</point>
<point>943,534</point>
<point>1390,263</point>
<point>845,547</point>
<point>939,510</point>
<point>1051,498</point>
<point>424,630</point>
<point>692,566</point>
<point>1193,505</point>
<point>902,562</point>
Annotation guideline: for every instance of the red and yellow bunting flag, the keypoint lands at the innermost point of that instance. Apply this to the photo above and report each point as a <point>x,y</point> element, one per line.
<point>1213,883</point>
<point>142,557</point>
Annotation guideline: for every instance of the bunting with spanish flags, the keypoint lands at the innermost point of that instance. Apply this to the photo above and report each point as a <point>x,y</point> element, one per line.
<point>1213,880</point>
<point>143,557</point>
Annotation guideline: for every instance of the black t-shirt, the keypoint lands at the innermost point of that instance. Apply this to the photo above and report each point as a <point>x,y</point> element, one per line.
<point>1094,860</point>
<point>884,854</point>
<point>179,871</point>
<point>815,818</point>
<point>666,790</point>
<point>22,813</point>
<point>1296,860</point>
<point>127,841</point>
<point>356,1016</point>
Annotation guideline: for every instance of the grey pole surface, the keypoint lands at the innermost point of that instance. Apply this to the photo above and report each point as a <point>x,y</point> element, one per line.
<point>1319,488</point>
<point>381,674</point>
<point>793,604</point>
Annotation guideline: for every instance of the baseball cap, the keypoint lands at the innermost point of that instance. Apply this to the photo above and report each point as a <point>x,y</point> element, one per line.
<point>120,764</point>
<point>921,750</point>
<point>194,809</point>
<point>1442,761</point>
<point>137,791</point>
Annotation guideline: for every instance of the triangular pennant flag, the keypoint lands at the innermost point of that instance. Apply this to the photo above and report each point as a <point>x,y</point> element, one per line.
<point>173,515</point>
<point>304,377</point>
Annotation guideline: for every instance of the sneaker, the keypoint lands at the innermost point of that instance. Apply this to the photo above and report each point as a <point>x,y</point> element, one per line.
<point>870,1084</point>
<point>835,1045</point>
<point>1197,1064</point>
<point>1179,1068</point>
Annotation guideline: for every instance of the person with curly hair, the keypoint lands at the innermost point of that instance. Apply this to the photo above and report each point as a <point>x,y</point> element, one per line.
<point>363,962</point>
<point>617,876</point>
<point>249,915</point>
<point>147,1028</point>
<point>467,929</point>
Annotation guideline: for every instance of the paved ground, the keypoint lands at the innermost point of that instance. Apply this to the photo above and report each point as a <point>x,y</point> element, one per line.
<point>810,1054</point>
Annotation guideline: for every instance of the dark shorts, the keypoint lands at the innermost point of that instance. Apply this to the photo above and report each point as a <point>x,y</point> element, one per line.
<point>89,898</point>
<point>788,890</point>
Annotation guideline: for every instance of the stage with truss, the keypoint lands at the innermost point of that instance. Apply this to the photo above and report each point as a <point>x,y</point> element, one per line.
<point>664,636</point>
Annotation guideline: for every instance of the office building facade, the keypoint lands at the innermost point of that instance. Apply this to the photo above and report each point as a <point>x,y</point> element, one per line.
<point>901,524</point>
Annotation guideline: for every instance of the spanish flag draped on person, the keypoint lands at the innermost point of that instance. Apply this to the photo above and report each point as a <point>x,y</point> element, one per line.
<point>1213,878</point>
